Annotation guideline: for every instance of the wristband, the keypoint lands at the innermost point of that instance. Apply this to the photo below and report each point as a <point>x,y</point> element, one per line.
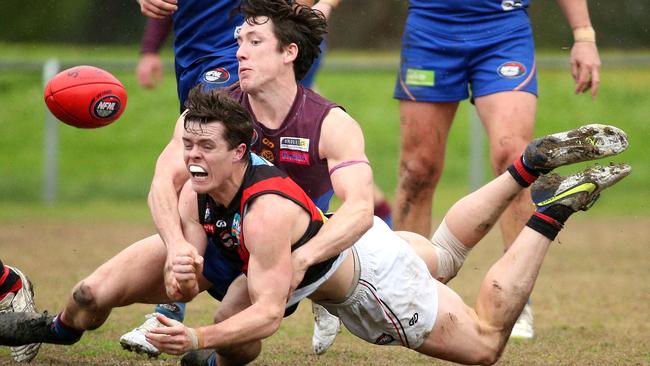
<point>194,340</point>
<point>584,34</point>
<point>332,3</point>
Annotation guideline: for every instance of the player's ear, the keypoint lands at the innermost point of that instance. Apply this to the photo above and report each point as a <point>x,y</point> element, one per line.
<point>290,52</point>
<point>239,152</point>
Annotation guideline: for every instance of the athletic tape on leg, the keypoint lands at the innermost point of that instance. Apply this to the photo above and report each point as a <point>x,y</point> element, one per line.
<point>451,253</point>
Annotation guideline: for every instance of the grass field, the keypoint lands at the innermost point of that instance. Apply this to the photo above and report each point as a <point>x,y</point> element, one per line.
<point>590,302</point>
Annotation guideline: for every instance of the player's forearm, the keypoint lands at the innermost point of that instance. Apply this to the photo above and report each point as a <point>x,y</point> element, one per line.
<point>345,227</point>
<point>254,323</point>
<point>576,13</point>
<point>163,204</point>
<point>155,34</point>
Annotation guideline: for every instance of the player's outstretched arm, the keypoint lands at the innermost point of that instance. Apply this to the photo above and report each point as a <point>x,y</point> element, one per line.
<point>149,70</point>
<point>585,61</point>
<point>169,177</point>
<point>342,144</point>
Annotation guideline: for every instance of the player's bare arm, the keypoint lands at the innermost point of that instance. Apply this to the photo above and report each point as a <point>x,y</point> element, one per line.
<point>270,226</point>
<point>342,144</point>
<point>585,61</point>
<point>187,263</point>
<point>169,177</point>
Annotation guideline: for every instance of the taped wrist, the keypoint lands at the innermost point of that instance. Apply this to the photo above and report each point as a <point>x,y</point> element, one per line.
<point>584,34</point>
<point>196,338</point>
<point>451,253</point>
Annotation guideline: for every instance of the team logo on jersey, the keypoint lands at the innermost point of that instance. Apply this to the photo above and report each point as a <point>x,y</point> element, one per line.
<point>221,223</point>
<point>297,157</point>
<point>511,69</point>
<point>268,143</point>
<point>384,339</point>
<point>217,76</point>
<point>507,5</point>
<point>268,155</point>
<point>294,143</point>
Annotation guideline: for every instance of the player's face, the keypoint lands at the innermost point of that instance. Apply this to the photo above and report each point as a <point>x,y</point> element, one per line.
<point>207,156</point>
<point>260,61</point>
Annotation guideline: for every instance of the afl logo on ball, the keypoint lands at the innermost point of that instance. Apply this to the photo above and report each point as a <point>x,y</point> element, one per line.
<point>511,69</point>
<point>218,75</point>
<point>106,107</point>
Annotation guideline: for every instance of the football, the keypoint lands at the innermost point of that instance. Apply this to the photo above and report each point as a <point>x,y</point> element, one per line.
<point>85,97</point>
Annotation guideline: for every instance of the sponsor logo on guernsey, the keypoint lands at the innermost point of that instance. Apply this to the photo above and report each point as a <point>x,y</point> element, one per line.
<point>297,157</point>
<point>511,69</point>
<point>209,228</point>
<point>267,155</point>
<point>221,223</point>
<point>235,34</point>
<point>419,77</point>
<point>226,239</point>
<point>106,107</point>
<point>217,76</point>
<point>384,339</point>
<point>236,228</point>
<point>413,320</point>
<point>508,5</point>
<point>294,143</point>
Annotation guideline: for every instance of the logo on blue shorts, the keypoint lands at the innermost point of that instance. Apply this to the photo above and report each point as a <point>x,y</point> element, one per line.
<point>511,69</point>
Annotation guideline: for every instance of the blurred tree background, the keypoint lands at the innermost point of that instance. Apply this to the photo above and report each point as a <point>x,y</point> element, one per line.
<point>357,24</point>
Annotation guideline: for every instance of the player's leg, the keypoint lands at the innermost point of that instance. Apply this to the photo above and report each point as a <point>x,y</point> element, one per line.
<point>133,275</point>
<point>469,219</point>
<point>479,335</point>
<point>424,132</point>
<point>17,295</point>
<point>431,82</point>
<point>504,84</point>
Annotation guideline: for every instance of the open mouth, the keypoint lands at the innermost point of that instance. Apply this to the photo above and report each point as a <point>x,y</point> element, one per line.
<point>197,171</point>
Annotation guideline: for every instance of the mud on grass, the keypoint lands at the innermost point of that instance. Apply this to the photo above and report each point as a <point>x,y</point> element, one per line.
<point>590,302</point>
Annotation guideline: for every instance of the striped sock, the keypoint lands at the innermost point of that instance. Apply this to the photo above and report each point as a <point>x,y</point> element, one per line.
<point>523,174</point>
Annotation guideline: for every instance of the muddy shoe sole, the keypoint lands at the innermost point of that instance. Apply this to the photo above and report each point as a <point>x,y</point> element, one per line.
<point>585,143</point>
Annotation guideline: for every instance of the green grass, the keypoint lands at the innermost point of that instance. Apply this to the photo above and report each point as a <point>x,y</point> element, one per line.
<point>115,163</point>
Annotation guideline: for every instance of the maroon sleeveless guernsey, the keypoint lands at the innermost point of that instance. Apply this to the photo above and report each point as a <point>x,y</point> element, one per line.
<point>293,147</point>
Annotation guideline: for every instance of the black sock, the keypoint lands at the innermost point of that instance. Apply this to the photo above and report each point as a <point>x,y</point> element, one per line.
<point>551,221</point>
<point>523,174</point>
<point>9,281</point>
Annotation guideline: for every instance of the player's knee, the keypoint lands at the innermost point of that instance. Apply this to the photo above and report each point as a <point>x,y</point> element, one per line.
<point>506,152</point>
<point>241,355</point>
<point>84,295</point>
<point>451,253</point>
<point>420,174</point>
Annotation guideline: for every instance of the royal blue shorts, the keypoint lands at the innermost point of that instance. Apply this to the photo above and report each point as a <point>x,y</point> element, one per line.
<point>438,67</point>
<point>212,73</point>
<point>219,271</point>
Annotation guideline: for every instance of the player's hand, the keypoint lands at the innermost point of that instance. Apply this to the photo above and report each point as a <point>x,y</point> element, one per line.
<point>585,67</point>
<point>158,9</point>
<point>149,70</point>
<point>174,338</point>
<point>182,268</point>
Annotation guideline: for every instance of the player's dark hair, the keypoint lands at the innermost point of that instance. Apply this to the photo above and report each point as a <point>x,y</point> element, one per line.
<point>292,23</point>
<point>207,106</point>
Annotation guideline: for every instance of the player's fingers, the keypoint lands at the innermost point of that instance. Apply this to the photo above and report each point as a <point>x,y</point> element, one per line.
<point>574,70</point>
<point>582,84</point>
<point>595,82</point>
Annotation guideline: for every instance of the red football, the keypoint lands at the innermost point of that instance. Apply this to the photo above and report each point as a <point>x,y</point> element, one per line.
<point>85,97</point>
